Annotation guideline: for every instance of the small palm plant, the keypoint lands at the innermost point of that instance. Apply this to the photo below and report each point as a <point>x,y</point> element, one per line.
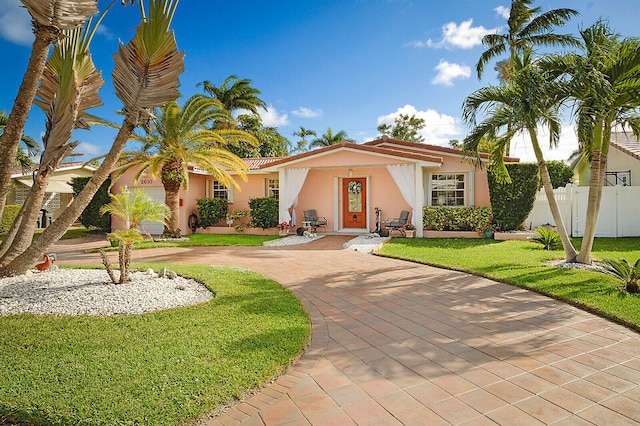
<point>621,269</point>
<point>134,208</point>
<point>549,238</point>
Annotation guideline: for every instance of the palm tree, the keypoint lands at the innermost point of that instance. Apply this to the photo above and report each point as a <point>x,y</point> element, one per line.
<point>145,76</point>
<point>179,138</point>
<point>70,86</point>
<point>23,157</point>
<point>49,19</point>
<point>329,138</point>
<point>134,208</point>
<point>234,93</point>
<point>529,99</point>
<point>604,81</point>
<point>303,134</point>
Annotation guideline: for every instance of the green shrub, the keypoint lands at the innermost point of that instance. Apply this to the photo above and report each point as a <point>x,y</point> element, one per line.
<point>91,216</point>
<point>549,238</point>
<point>560,172</point>
<point>264,212</point>
<point>512,202</point>
<point>212,210</point>
<point>456,218</point>
<point>622,270</point>
<point>8,216</point>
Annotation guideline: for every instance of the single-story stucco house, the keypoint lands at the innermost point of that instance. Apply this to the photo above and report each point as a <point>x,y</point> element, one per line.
<point>59,191</point>
<point>623,163</point>
<point>344,183</point>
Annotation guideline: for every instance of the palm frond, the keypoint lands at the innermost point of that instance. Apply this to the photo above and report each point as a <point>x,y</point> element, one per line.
<point>61,14</point>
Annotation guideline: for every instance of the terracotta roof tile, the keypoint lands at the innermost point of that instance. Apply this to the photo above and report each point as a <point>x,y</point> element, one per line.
<point>627,143</point>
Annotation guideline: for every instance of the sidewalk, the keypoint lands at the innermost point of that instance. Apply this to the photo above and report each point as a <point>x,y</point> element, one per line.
<point>401,343</point>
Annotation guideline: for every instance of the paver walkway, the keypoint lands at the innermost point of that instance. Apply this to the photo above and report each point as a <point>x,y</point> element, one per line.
<point>400,343</point>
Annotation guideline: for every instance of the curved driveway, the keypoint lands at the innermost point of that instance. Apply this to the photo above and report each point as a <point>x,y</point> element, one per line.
<point>400,343</point>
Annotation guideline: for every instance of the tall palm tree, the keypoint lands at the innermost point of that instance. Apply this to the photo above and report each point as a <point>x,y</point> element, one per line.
<point>23,157</point>
<point>605,82</point>
<point>530,99</point>
<point>303,134</point>
<point>70,86</point>
<point>234,93</point>
<point>145,76</point>
<point>329,138</point>
<point>179,138</point>
<point>49,19</point>
<point>527,29</point>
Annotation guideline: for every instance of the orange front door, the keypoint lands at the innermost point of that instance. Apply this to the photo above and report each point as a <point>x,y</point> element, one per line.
<point>354,202</point>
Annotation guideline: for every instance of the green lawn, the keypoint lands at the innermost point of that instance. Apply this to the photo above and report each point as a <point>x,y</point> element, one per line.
<point>162,368</point>
<point>204,240</point>
<point>522,263</point>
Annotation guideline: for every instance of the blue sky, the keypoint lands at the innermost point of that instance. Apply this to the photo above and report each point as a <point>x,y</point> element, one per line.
<point>345,64</point>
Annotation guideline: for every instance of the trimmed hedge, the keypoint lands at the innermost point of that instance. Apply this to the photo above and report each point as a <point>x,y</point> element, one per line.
<point>9,214</point>
<point>91,216</point>
<point>512,202</point>
<point>264,212</point>
<point>212,210</point>
<point>456,218</point>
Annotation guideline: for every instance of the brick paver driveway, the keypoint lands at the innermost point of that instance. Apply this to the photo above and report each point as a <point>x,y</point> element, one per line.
<point>400,343</point>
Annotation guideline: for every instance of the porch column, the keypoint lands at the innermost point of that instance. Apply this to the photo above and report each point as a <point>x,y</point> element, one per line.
<point>282,201</point>
<point>419,197</point>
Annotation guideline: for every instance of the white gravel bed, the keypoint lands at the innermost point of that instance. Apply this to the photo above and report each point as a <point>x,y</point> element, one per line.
<point>291,241</point>
<point>366,243</point>
<point>595,266</point>
<point>91,292</point>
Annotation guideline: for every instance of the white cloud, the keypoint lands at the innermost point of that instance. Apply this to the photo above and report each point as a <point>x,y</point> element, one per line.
<point>88,149</point>
<point>503,11</point>
<point>15,23</point>
<point>305,112</point>
<point>438,130</point>
<point>464,36</point>
<point>271,118</point>
<point>447,72</point>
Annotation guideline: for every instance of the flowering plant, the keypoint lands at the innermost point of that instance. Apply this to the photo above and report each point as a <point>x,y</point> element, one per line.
<point>284,225</point>
<point>487,227</point>
<point>409,227</point>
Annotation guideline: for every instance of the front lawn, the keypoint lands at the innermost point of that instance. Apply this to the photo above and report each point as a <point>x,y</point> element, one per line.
<point>522,263</point>
<point>163,368</point>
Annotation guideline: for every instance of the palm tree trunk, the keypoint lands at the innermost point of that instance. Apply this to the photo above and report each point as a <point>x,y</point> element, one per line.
<point>24,261</point>
<point>596,182</point>
<point>569,250</point>
<point>22,105</point>
<point>172,200</point>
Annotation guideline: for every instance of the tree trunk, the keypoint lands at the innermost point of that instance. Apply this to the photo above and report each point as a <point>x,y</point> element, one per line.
<point>569,250</point>
<point>22,105</point>
<point>596,182</point>
<point>172,200</point>
<point>24,261</point>
<point>11,234</point>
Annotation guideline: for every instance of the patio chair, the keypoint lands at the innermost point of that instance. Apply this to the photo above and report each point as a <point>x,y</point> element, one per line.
<point>313,221</point>
<point>397,223</point>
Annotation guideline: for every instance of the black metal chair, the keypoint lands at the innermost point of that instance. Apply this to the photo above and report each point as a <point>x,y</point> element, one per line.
<point>397,223</point>
<point>314,221</point>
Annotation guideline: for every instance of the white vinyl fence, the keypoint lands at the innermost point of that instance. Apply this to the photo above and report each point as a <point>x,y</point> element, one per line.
<point>619,210</point>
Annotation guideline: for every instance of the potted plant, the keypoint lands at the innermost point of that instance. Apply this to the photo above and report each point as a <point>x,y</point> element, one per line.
<point>284,227</point>
<point>409,230</point>
<point>488,229</point>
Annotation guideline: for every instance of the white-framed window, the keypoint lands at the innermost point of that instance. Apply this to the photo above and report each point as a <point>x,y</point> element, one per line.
<point>448,189</point>
<point>218,190</point>
<point>272,188</point>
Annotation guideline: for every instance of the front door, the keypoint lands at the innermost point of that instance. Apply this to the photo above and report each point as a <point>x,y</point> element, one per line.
<point>354,196</point>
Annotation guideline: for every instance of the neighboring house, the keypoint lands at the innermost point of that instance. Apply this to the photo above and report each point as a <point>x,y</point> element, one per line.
<point>620,195</point>
<point>344,183</point>
<point>59,192</point>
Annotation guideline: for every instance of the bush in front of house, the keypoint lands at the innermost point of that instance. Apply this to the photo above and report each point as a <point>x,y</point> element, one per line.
<point>512,202</point>
<point>212,210</point>
<point>456,218</point>
<point>264,212</point>
<point>91,216</point>
<point>9,214</point>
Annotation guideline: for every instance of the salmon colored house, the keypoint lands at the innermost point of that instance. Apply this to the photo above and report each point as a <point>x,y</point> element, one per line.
<point>345,183</point>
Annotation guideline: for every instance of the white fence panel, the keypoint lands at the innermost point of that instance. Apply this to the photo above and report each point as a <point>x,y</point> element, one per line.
<point>617,217</point>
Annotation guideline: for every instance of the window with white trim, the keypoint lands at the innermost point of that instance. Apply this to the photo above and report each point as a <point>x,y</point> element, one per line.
<point>272,188</point>
<point>448,189</point>
<point>219,190</point>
